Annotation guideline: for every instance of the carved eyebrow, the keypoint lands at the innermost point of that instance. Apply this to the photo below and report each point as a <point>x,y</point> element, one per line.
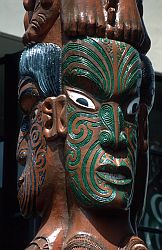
<point>28,89</point>
<point>85,84</point>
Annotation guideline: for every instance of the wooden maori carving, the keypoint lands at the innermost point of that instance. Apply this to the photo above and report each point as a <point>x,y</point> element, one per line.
<point>116,19</point>
<point>42,184</point>
<point>102,80</point>
<point>42,22</point>
<point>84,137</point>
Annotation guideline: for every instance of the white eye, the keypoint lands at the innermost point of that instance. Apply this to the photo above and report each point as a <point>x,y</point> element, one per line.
<point>81,99</point>
<point>133,106</point>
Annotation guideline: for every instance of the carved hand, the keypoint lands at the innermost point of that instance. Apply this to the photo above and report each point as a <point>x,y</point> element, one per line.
<point>127,25</point>
<point>83,17</point>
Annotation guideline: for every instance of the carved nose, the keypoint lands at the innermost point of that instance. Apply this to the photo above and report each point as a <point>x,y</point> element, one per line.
<point>108,139</point>
<point>112,134</point>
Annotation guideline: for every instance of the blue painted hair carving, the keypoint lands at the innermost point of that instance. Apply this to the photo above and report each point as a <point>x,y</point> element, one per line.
<point>41,64</point>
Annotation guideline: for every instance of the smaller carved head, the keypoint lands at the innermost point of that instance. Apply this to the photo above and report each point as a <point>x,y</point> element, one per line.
<point>39,91</point>
<point>39,18</point>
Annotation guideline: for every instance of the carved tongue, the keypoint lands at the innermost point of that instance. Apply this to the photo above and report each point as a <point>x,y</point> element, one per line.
<point>116,176</point>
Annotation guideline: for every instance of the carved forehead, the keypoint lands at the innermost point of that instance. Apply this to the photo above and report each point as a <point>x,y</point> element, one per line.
<point>113,67</point>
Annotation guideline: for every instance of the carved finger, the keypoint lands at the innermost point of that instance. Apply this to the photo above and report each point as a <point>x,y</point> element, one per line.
<point>91,24</point>
<point>100,30</point>
<point>127,32</point>
<point>119,32</point>
<point>110,32</point>
<point>100,23</point>
<point>72,24</point>
<point>82,24</point>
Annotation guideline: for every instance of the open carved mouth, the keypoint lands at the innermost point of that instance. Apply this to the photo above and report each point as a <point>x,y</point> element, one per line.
<point>35,24</point>
<point>38,21</point>
<point>115,175</point>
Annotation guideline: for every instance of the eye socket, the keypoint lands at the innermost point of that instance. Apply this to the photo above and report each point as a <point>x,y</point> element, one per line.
<point>81,99</point>
<point>27,103</point>
<point>133,106</point>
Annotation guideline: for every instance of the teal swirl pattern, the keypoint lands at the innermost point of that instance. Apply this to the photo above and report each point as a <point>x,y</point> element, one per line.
<point>112,135</point>
<point>114,71</point>
<point>81,129</point>
<point>113,66</point>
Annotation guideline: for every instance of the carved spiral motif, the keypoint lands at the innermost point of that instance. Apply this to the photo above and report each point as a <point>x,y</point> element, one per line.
<point>135,243</point>
<point>83,241</point>
<point>80,133</point>
<point>113,66</point>
<point>35,169</point>
<point>113,69</point>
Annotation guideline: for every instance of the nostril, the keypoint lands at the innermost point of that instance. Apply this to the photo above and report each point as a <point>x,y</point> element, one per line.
<point>20,181</point>
<point>123,142</point>
<point>106,138</point>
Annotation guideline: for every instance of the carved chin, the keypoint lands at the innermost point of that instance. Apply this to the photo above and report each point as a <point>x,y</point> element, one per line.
<point>113,198</point>
<point>84,241</point>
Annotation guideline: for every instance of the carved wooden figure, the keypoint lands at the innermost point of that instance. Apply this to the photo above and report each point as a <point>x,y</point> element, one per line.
<point>84,136</point>
<point>42,21</point>
<point>40,147</point>
<point>116,19</point>
<point>103,83</point>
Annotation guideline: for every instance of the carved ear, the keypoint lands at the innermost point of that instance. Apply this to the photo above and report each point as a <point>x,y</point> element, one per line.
<point>54,118</point>
<point>143,128</point>
<point>61,120</point>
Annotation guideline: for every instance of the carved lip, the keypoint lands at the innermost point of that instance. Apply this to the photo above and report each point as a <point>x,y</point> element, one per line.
<point>35,24</point>
<point>113,174</point>
<point>38,21</point>
<point>42,17</point>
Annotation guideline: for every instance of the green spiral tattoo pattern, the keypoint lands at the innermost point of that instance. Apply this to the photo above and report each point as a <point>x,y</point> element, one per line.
<point>112,66</point>
<point>80,139</point>
<point>114,70</point>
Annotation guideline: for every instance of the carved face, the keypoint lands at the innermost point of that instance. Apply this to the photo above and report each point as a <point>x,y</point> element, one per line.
<point>43,171</point>
<point>31,148</point>
<point>40,18</point>
<point>38,92</point>
<point>101,81</point>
